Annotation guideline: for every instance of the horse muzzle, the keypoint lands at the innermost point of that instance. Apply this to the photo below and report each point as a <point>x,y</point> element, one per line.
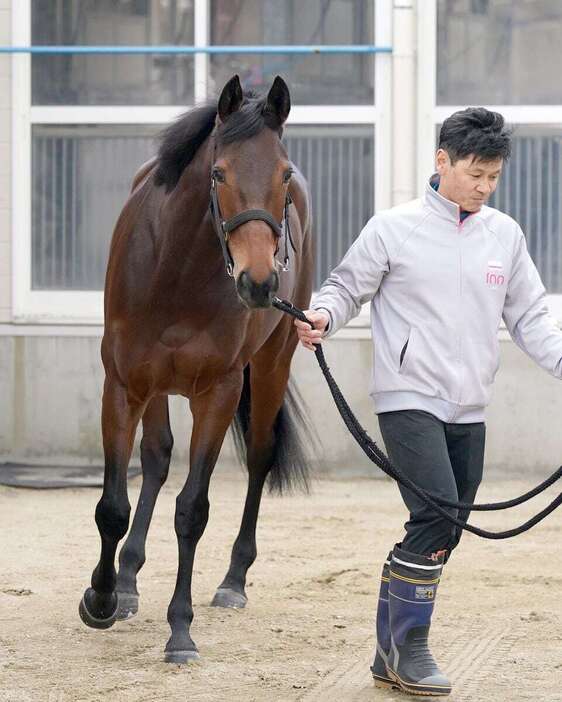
<point>257,295</point>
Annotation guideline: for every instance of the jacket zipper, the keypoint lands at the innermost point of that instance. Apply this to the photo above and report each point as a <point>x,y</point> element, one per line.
<point>459,327</point>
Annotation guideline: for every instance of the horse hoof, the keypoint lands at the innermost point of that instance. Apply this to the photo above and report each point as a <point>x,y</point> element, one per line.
<point>225,597</point>
<point>128,605</point>
<point>105,608</point>
<point>181,657</point>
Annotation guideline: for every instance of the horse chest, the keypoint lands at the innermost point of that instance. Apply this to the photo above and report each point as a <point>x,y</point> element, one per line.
<point>195,360</point>
<point>190,360</point>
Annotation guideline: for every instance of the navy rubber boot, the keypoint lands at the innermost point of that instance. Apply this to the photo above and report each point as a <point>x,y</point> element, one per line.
<point>378,669</point>
<point>412,589</point>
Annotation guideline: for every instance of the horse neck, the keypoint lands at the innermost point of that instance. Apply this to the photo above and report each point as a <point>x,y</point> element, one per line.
<point>188,248</point>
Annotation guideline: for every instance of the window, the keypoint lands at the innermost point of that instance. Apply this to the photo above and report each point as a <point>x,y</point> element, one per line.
<point>338,162</point>
<point>119,79</point>
<point>506,56</point>
<point>315,80</point>
<point>81,178</point>
<point>499,52</point>
<point>79,142</point>
<point>530,190</point>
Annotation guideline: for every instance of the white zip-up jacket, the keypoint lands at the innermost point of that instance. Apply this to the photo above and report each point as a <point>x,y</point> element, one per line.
<point>439,288</point>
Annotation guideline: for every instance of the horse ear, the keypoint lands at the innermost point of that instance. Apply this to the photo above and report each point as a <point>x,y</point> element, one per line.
<point>231,98</point>
<point>278,101</point>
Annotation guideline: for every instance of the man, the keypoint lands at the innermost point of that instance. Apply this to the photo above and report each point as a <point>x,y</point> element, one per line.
<point>440,272</point>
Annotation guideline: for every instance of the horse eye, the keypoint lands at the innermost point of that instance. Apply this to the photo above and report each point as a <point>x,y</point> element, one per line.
<point>287,176</point>
<point>218,175</point>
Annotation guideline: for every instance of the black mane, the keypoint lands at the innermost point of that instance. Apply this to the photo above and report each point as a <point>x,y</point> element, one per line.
<point>180,141</point>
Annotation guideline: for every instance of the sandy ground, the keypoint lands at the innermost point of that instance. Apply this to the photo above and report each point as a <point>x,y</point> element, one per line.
<point>307,633</point>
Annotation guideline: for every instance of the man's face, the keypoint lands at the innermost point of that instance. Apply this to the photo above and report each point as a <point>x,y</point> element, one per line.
<point>469,182</point>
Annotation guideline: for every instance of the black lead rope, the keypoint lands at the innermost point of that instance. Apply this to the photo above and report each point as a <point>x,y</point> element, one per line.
<point>375,454</point>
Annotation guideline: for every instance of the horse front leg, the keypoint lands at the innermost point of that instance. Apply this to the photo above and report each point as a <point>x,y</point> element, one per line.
<point>98,607</point>
<point>212,414</point>
<point>156,450</point>
<point>267,394</point>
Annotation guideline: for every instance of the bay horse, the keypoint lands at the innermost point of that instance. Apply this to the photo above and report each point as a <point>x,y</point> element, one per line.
<point>189,312</point>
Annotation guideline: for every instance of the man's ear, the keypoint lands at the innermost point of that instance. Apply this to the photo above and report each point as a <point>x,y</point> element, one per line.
<point>442,160</point>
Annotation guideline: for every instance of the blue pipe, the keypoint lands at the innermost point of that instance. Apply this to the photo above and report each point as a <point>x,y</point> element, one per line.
<point>281,49</point>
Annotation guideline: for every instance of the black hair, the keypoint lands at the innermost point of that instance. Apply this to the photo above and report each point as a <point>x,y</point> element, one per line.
<point>476,132</point>
<point>180,141</point>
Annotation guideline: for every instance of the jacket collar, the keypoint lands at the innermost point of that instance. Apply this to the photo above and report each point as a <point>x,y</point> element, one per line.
<point>440,205</point>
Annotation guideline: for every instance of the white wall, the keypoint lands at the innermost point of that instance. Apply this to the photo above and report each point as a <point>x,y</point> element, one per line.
<point>52,388</point>
<point>5,165</point>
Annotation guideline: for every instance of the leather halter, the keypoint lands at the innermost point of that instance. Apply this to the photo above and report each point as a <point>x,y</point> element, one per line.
<point>223,228</point>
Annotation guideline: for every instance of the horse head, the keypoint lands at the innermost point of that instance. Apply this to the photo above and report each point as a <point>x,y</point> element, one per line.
<point>250,186</point>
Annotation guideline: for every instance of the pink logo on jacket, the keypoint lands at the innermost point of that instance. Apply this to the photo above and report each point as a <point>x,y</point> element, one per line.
<point>494,276</point>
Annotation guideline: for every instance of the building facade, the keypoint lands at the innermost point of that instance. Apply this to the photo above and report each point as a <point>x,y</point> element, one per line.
<point>74,128</point>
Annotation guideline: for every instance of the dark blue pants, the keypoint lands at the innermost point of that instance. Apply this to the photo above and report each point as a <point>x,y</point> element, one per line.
<point>446,460</point>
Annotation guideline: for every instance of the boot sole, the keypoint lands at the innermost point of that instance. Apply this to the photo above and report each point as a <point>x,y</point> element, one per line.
<point>386,684</point>
<point>420,690</point>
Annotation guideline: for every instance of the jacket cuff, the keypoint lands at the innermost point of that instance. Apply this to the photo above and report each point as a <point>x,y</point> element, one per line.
<point>328,331</point>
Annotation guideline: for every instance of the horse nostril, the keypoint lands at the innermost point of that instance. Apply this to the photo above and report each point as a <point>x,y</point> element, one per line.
<point>273,282</point>
<point>244,284</point>
<point>244,280</point>
<point>269,286</point>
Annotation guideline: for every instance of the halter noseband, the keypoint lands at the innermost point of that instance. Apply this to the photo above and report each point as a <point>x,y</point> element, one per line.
<point>223,228</point>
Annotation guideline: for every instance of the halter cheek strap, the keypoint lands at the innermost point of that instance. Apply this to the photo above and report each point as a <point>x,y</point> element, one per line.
<point>219,229</point>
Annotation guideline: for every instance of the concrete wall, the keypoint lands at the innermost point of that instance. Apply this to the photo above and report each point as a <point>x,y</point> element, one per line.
<point>5,164</point>
<point>51,390</point>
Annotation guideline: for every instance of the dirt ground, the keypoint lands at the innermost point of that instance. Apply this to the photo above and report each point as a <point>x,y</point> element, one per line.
<point>307,632</point>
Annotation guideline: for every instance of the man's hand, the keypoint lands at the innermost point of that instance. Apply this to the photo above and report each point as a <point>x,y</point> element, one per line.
<point>309,337</point>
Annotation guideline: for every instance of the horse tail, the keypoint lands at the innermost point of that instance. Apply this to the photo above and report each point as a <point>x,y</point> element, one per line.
<point>294,439</point>
<point>241,421</point>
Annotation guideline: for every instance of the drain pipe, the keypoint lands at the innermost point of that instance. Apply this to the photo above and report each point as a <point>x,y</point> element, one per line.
<point>403,102</point>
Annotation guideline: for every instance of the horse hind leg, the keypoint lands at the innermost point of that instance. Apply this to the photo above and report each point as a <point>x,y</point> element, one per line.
<point>269,425</point>
<point>156,451</point>
<point>98,607</point>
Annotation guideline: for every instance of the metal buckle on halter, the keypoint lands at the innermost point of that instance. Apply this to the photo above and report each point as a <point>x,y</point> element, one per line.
<point>230,270</point>
<point>283,266</point>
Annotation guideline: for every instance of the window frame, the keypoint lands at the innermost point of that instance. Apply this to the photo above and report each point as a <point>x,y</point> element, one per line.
<point>431,114</point>
<point>72,307</point>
